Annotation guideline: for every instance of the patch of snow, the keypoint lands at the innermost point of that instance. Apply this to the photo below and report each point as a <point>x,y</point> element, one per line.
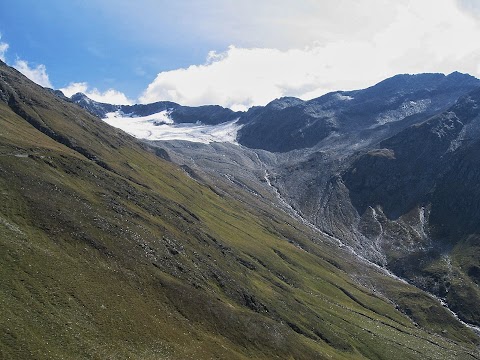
<point>448,261</point>
<point>160,126</point>
<point>163,117</point>
<point>423,222</point>
<point>343,97</point>
<point>379,239</point>
<point>469,132</point>
<point>448,124</point>
<point>456,143</point>
<point>408,108</point>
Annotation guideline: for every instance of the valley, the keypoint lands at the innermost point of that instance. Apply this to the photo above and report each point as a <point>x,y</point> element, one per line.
<point>286,243</point>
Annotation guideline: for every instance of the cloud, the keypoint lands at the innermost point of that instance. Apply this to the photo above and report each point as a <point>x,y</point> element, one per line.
<point>110,96</point>
<point>75,87</point>
<point>286,24</point>
<point>470,6</point>
<point>238,78</point>
<point>281,24</point>
<point>300,48</point>
<point>37,74</point>
<point>3,49</point>
<point>417,37</point>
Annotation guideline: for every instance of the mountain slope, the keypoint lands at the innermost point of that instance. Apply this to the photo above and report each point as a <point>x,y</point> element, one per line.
<point>108,251</point>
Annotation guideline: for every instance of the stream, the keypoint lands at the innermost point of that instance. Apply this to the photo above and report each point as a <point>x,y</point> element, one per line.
<point>297,215</point>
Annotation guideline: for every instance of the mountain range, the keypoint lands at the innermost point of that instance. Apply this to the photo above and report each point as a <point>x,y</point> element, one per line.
<point>376,168</point>
<point>340,227</point>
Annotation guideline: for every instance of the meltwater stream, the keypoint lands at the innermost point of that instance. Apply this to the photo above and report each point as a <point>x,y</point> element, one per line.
<point>296,214</point>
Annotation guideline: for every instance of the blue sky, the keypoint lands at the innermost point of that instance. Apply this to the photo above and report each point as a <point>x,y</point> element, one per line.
<point>234,53</point>
<point>93,41</point>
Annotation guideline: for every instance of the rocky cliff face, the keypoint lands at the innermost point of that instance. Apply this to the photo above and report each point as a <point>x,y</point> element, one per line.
<point>417,199</point>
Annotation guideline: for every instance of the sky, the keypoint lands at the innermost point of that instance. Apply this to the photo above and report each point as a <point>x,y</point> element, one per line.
<point>233,53</point>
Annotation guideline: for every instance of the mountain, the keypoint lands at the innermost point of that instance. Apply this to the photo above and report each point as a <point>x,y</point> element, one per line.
<point>289,124</point>
<point>109,251</point>
<point>166,120</point>
<point>208,114</point>
<point>401,192</point>
<point>428,169</point>
<point>336,119</point>
<point>406,198</point>
<point>388,170</point>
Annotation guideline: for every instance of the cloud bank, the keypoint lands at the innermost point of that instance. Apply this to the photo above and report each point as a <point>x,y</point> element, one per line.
<point>110,96</point>
<point>410,37</point>
<point>240,78</point>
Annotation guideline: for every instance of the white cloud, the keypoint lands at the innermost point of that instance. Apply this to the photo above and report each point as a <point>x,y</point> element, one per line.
<point>75,87</point>
<point>418,36</point>
<point>3,50</point>
<point>37,73</point>
<point>280,24</point>
<point>109,96</point>
<point>286,24</point>
<point>238,78</point>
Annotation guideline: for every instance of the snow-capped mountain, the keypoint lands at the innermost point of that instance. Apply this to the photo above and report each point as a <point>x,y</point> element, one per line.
<point>166,120</point>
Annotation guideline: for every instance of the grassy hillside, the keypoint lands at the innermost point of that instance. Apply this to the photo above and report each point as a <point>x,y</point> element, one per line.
<point>109,252</point>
